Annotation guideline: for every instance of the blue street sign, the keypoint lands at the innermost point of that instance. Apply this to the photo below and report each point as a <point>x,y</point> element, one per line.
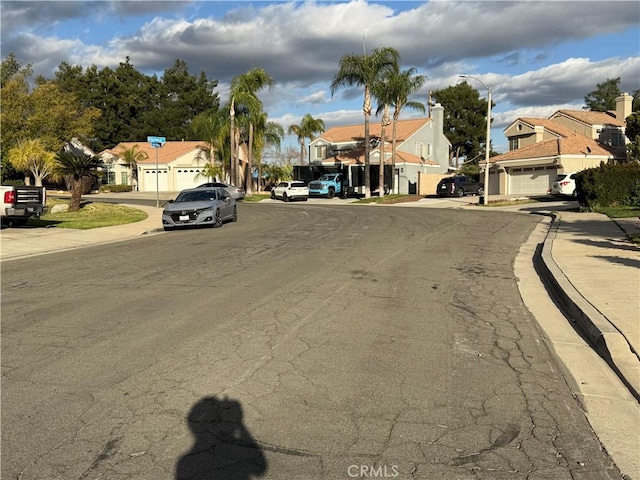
<point>156,142</point>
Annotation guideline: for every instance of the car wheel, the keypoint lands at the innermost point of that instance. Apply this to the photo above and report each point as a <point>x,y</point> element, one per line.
<point>273,194</point>
<point>235,215</point>
<point>461,192</point>
<point>218,220</point>
<point>285,197</point>
<point>574,194</point>
<point>332,192</point>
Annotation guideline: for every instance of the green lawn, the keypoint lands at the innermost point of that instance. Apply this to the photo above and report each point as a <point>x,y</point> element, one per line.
<point>621,212</point>
<point>90,215</point>
<point>391,199</point>
<point>256,197</point>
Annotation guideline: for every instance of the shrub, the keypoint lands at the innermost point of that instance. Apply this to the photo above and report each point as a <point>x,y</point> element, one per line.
<point>609,185</point>
<point>115,188</point>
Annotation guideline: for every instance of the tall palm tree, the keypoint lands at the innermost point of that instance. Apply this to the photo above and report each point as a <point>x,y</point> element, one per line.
<point>244,89</point>
<point>400,86</point>
<point>365,70</point>
<point>131,156</point>
<point>78,167</point>
<point>308,128</point>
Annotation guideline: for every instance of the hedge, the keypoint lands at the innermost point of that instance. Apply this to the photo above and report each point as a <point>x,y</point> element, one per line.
<point>609,185</point>
<point>115,188</point>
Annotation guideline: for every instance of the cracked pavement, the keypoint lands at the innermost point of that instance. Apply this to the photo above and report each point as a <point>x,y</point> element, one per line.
<point>304,341</point>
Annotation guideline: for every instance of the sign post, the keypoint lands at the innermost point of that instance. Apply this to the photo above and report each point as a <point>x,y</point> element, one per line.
<point>157,142</point>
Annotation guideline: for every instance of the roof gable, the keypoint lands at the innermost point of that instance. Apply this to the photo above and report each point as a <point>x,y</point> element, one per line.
<point>165,154</point>
<point>589,118</point>
<point>574,144</point>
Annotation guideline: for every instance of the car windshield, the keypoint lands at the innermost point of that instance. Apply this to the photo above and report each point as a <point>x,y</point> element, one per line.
<point>560,177</point>
<point>202,196</point>
<point>298,184</point>
<point>447,180</point>
<point>327,177</point>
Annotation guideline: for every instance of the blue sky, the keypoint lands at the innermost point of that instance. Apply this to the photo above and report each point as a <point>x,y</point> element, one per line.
<point>538,56</point>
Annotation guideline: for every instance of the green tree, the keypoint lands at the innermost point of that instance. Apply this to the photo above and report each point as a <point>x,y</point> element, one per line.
<point>214,128</point>
<point>632,132</point>
<point>244,94</point>
<point>465,119</point>
<point>31,156</point>
<point>308,128</point>
<point>131,156</point>
<point>603,98</point>
<point>11,69</point>
<point>78,167</point>
<point>365,71</point>
<point>210,172</point>
<point>264,133</point>
<point>395,91</point>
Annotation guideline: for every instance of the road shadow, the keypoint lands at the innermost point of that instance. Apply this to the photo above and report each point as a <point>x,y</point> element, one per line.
<point>223,449</point>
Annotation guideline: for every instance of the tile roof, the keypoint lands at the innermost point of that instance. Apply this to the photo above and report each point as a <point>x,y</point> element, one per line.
<point>167,153</point>
<point>550,125</point>
<point>572,145</point>
<point>350,133</point>
<point>591,118</point>
<point>356,157</point>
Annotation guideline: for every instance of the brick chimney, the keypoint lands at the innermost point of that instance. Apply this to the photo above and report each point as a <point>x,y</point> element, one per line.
<point>624,106</point>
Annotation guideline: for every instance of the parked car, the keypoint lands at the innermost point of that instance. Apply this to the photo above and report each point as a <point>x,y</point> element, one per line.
<point>236,192</point>
<point>564,185</point>
<point>199,206</point>
<point>458,186</point>
<point>290,191</point>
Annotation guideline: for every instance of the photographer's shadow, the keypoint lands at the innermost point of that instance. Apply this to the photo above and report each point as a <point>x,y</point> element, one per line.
<point>224,448</point>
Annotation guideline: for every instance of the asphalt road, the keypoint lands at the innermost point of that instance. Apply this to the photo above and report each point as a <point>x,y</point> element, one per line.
<point>303,342</point>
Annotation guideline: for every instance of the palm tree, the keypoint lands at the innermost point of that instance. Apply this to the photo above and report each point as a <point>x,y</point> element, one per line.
<point>308,128</point>
<point>244,90</point>
<point>78,167</point>
<point>215,128</point>
<point>400,86</point>
<point>131,156</point>
<point>210,172</point>
<point>366,71</point>
<point>32,156</point>
<point>263,133</point>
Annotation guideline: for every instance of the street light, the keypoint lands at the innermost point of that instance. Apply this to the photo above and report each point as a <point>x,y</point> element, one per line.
<point>488,146</point>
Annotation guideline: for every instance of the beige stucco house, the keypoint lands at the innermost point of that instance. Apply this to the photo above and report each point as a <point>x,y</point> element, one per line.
<point>170,168</point>
<point>567,141</point>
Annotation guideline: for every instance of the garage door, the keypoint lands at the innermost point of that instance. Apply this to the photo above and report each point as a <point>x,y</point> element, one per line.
<point>153,182</point>
<point>531,180</point>
<point>187,178</point>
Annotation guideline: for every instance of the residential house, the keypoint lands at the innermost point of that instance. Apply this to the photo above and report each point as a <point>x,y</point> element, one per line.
<point>421,148</point>
<point>568,141</point>
<point>170,168</point>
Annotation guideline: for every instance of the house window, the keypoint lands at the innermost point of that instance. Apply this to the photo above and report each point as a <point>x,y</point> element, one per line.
<point>423,149</point>
<point>124,178</point>
<point>514,143</point>
<point>617,139</point>
<point>321,152</point>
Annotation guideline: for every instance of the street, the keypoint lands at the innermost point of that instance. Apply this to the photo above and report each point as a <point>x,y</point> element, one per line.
<point>304,341</point>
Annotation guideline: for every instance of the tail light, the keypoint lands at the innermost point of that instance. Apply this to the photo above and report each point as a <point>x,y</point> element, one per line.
<point>564,184</point>
<point>10,196</point>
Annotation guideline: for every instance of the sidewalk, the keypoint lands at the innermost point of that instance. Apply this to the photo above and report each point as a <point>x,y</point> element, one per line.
<point>16,243</point>
<point>591,270</point>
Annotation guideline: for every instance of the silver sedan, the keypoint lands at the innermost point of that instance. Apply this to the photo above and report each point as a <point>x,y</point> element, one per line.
<point>199,206</point>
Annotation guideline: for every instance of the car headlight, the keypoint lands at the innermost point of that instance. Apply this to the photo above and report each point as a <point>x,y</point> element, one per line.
<point>202,210</point>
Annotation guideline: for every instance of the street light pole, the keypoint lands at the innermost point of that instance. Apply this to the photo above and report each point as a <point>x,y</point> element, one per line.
<point>488,145</point>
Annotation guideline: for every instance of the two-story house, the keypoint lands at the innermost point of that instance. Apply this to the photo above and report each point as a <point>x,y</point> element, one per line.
<point>421,148</point>
<point>567,141</point>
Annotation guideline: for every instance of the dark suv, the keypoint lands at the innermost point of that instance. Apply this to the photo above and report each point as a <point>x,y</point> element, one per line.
<point>458,186</point>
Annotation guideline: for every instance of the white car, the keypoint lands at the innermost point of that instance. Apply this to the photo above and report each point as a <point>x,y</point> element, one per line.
<point>291,190</point>
<point>564,184</point>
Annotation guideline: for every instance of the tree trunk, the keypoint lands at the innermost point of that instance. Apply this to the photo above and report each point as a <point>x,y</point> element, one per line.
<point>232,141</point>
<point>383,126</point>
<point>248,177</point>
<point>76,195</point>
<point>302,151</point>
<point>393,154</point>
<point>367,147</point>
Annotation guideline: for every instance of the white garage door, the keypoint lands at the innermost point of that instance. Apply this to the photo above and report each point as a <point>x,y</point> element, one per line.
<point>186,178</point>
<point>531,180</point>
<point>153,182</point>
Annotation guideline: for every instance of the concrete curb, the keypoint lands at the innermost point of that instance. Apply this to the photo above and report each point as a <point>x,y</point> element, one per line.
<point>606,339</point>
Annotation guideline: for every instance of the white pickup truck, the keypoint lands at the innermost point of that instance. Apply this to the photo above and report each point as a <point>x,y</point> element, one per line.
<point>20,203</point>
